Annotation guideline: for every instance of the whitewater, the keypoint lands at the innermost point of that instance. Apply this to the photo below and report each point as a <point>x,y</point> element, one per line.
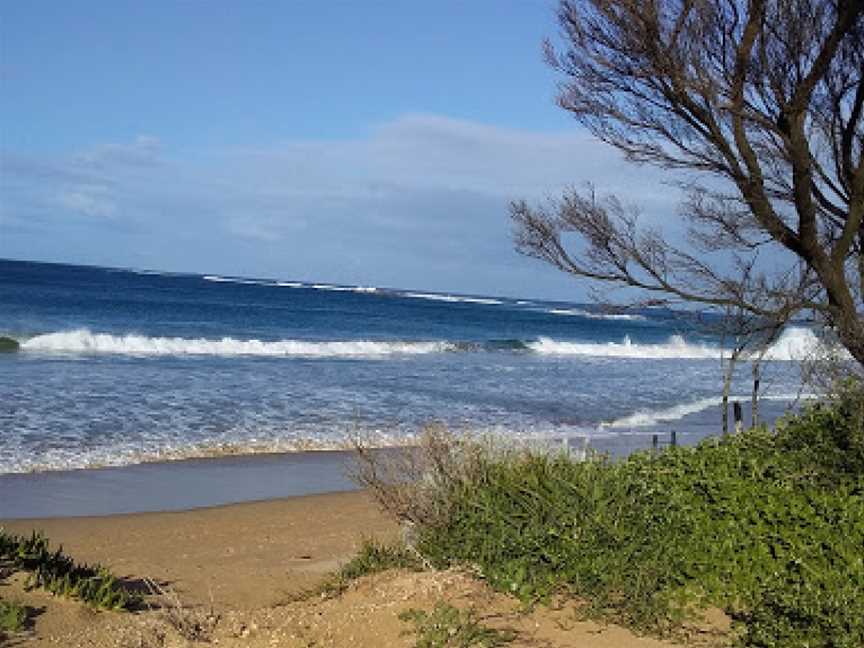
<point>119,367</point>
<point>795,344</point>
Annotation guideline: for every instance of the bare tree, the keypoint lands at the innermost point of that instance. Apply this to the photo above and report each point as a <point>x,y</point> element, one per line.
<point>757,105</point>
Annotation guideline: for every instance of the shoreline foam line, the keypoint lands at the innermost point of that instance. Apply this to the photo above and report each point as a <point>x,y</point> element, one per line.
<point>649,417</point>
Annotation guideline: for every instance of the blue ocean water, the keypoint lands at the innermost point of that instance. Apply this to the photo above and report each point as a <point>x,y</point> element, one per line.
<point>120,367</point>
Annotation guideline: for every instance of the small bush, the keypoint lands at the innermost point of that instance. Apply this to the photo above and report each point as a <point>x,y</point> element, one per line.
<point>449,627</point>
<point>767,526</point>
<point>13,617</point>
<point>373,557</point>
<point>59,574</point>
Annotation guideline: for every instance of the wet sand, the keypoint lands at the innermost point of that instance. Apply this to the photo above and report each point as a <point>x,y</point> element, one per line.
<point>173,485</point>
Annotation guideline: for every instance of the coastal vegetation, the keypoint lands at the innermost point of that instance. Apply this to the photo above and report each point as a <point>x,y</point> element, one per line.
<point>447,626</point>
<point>374,557</point>
<point>766,525</point>
<point>13,616</point>
<point>59,574</point>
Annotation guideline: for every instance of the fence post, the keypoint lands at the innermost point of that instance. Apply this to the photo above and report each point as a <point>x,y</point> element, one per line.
<point>655,442</point>
<point>739,417</point>
<point>674,438</point>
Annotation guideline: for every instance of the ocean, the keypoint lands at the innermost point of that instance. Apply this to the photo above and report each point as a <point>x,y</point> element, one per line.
<point>124,367</point>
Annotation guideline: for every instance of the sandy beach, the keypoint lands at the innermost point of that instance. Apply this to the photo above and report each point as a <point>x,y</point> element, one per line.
<point>244,555</point>
<point>243,566</point>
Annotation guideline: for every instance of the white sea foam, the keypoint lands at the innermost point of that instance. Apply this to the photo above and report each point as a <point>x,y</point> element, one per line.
<point>480,300</point>
<point>244,282</point>
<point>577,312</point>
<point>161,450</point>
<point>797,343</point>
<point>794,344</point>
<point>643,418</point>
<point>648,417</point>
<point>289,284</point>
<point>332,288</point>
<point>676,347</point>
<point>432,297</point>
<point>84,341</point>
<point>453,299</point>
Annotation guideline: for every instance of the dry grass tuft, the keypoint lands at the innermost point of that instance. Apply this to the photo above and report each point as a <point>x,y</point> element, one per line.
<point>193,624</point>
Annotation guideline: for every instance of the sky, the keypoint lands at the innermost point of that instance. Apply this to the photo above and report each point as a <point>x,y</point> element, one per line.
<point>359,142</point>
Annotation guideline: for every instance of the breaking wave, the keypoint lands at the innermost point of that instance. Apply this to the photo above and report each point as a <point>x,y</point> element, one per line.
<point>676,347</point>
<point>794,344</point>
<point>647,417</point>
<point>83,341</point>
<point>232,280</point>
<point>453,299</point>
<point>578,312</point>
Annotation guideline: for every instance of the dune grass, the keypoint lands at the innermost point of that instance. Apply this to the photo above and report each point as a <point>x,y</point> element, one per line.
<point>768,526</point>
<point>446,626</point>
<point>374,557</point>
<point>59,574</point>
<point>13,617</point>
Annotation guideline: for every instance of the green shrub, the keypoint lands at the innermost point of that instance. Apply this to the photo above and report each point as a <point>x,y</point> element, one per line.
<point>13,616</point>
<point>449,627</point>
<point>768,526</point>
<point>373,557</point>
<point>59,574</point>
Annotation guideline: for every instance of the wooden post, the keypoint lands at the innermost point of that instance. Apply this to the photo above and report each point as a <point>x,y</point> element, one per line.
<point>754,402</point>
<point>674,438</point>
<point>655,441</point>
<point>739,416</point>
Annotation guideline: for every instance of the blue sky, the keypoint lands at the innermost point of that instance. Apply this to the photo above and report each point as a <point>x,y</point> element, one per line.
<point>355,142</point>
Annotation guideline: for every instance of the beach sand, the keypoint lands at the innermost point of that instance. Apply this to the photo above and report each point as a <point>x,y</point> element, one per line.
<point>238,570</point>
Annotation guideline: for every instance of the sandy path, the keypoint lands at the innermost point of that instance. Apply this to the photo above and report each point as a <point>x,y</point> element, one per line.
<point>247,555</point>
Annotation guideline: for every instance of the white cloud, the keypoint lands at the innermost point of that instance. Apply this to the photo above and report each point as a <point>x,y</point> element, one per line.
<point>421,202</point>
<point>143,151</point>
<point>89,200</point>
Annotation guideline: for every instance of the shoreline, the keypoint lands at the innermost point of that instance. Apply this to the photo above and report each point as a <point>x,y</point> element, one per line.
<point>193,483</point>
<point>172,486</point>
